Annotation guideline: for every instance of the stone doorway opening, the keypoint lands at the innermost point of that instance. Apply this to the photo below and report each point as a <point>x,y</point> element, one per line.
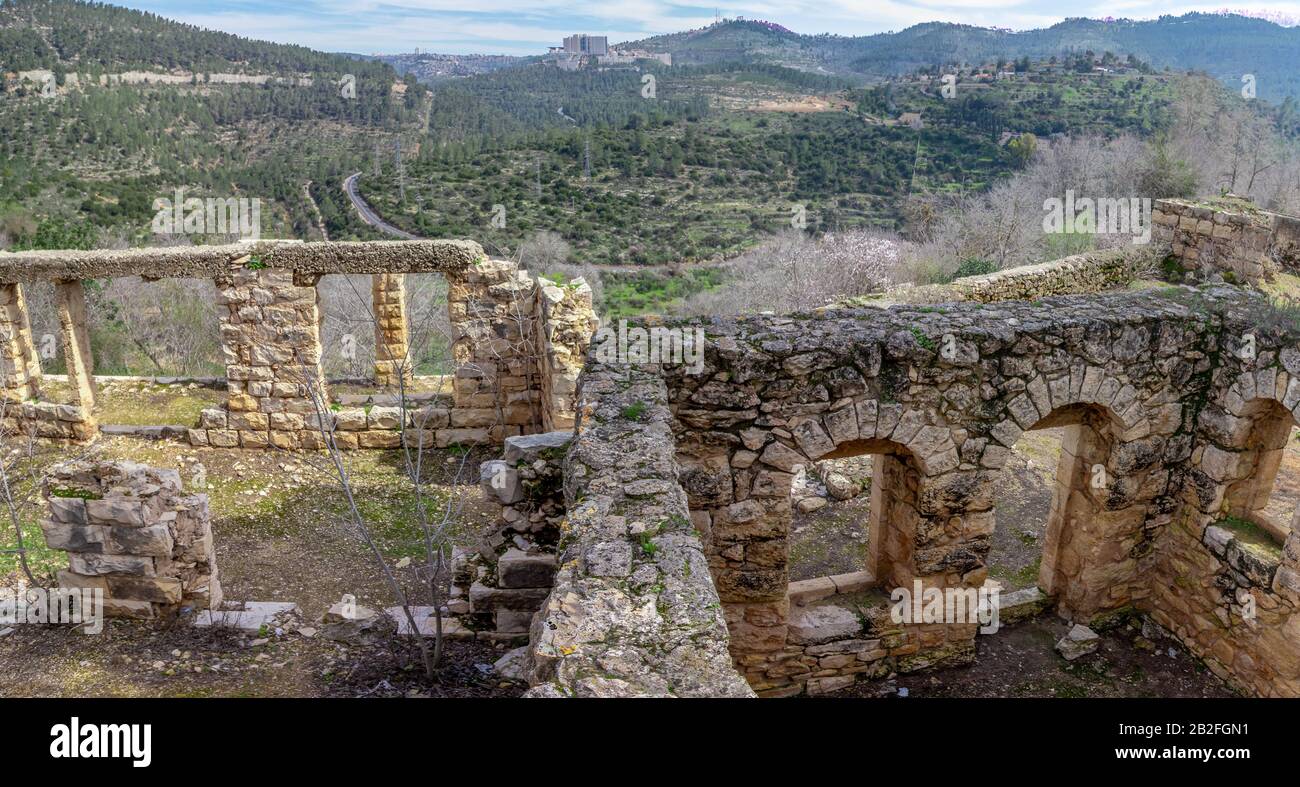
<point>1022,502</point>
<point>879,522</point>
<point>1085,542</point>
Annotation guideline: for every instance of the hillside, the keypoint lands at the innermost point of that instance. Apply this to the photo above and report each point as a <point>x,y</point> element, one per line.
<point>727,154</point>
<point>103,110</point>
<point>1222,45</point>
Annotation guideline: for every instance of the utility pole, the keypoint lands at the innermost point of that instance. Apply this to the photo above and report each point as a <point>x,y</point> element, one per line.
<point>401,172</point>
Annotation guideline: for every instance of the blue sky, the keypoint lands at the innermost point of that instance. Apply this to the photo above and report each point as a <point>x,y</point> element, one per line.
<point>523,27</point>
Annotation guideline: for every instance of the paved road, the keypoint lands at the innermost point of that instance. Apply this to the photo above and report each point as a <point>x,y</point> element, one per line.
<point>368,215</point>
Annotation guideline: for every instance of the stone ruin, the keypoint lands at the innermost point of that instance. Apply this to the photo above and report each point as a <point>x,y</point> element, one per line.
<point>131,532</point>
<point>642,547</point>
<point>499,586</point>
<point>672,558</point>
<point>1227,235</point>
<point>517,344</point>
<point>673,554</point>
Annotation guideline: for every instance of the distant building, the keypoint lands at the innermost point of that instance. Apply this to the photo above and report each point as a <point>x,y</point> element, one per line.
<point>912,119</point>
<point>618,57</point>
<point>583,44</point>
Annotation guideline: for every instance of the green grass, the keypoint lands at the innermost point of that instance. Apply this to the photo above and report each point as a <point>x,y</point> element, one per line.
<point>1251,536</point>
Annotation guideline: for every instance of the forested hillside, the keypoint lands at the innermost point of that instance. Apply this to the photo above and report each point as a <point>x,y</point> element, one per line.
<point>1222,45</point>
<point>83,161</point>
<point>728,154</point>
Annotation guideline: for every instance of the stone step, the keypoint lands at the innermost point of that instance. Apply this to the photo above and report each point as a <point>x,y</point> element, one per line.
<point>251,619</point>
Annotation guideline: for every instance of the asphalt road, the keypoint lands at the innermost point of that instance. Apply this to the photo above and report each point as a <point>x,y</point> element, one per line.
<point>368,215</point>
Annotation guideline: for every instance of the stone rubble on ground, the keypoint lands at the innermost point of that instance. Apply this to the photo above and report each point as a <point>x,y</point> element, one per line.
<point>1078,641</point>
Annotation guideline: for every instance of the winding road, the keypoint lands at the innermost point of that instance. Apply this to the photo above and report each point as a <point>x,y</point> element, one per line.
<point>368,214</point>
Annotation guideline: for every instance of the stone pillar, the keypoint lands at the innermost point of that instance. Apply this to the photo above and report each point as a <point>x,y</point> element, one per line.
<point>132,533</point>
<point>70,299</point>
<point>568,321</point>
<point>492,311</point>
<point>21,372</point>
<point>392,340</point>
<point>270,332</point>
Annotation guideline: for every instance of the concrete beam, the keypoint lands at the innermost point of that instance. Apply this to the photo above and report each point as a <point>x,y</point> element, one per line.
<point>424,256</point>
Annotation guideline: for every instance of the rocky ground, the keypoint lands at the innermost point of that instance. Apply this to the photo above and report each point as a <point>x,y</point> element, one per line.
<point>139,660</point>
<point>1021,661</point>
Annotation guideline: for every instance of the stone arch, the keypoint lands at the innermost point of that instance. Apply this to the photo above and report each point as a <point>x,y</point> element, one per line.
<point>1057,398</point>
<point>898,477</point>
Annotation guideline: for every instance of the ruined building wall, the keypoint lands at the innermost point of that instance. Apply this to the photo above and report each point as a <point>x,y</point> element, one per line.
<point>1141,383</point>
<point>633,611</point>
<point>568,320</point>
<point>514,343</point>
<point>517,343</point>
<point>499,585</point>
<point>22,413</point>
<point>493,319</point>
<point>1220,581</point>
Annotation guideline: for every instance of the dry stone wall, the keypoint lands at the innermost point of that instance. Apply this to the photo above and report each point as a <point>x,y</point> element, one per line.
<point>633,611</point>
<point>1228,236</point>
<point>131,532</point>
<point>498,587</point>
<point>1093,271</point>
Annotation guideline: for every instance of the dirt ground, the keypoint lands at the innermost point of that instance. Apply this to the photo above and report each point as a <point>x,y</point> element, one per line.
<point>139,660</point>
<point>1020,661</point>
<point>280,533</point>
<point>278,520</point>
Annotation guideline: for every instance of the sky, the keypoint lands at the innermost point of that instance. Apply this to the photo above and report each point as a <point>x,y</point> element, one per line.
<point>527,27</point>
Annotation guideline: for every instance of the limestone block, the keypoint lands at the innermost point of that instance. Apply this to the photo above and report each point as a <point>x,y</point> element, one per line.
<point>517,569</point>
<point>823,623</point>
<point>1079,641</point>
